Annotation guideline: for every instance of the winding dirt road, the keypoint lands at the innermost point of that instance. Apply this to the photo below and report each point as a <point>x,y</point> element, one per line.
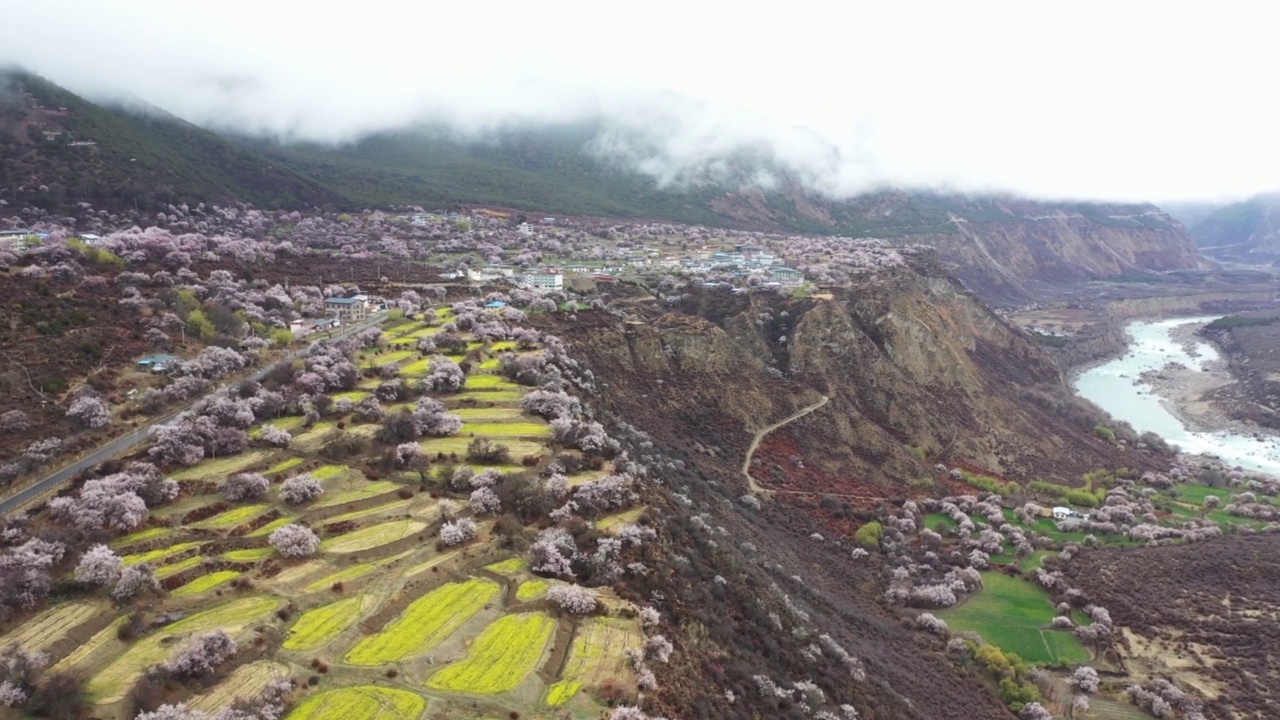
<point>755,442</point>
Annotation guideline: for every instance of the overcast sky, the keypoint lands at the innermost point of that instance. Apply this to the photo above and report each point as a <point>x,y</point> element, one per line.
<point>1101,100</point>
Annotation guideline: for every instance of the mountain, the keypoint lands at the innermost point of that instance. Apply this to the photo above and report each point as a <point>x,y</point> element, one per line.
<point>57,149</point>
<point>1247,232</point>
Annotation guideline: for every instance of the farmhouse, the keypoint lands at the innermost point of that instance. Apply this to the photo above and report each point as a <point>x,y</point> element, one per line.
<point>1066,513</point>
<point>545,280</point>
<point>352,308</point>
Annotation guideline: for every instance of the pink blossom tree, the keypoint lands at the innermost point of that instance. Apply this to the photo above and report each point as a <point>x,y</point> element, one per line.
<point>300,489</point>
<point>201,654</point>
<point>99,565</point>
<point>294,541</point>
<point>573,599</point>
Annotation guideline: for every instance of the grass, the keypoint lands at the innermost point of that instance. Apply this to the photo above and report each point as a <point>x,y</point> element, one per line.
<point>500,658</point>
<point>598,653</point>
<point>425,623</point>
<point>394,356</point>
<point>612,523</point>
<point>368,490</point>
<point>562,692</point>
<point>1035,560</point>
<point>248,555</point>
<point>155,556</point>
<point>290,423</point>
<point>222,466</point>
<point>490,396</point>
<point>507,429</point>
<point>244,684</point>
<point>280,467</point>
<point>510,566</point>
<point>355,571</point>
<point>1014,614</point>
<point>50,626</point>
<point>316,628</point>
<point>270,527</point>
<point>416,368</point>
<point>148,534</point>
<point>206,583</point>
<point>490,365</point>
<point>354,396</point>
<point>328,472</point>
<point>532,590</point>
<point>372,536</point>
<point>488,414</point>
<point>458,446</point>
<point>357,514</point>
<point>233,518</point>
<point>503,346</point>
<point>113,682</point>
<point>489,383</point>
<point>166,571</point>
<point>364,702</point>
<point>86,650</point>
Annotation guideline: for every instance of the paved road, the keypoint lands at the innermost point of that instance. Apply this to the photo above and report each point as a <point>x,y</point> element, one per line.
<point>128,442</point>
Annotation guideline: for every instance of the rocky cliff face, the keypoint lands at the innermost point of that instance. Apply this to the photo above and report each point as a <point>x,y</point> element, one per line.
<point>918,370</point>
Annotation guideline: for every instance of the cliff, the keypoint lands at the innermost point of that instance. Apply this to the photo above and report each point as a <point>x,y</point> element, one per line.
<point>919,372</point>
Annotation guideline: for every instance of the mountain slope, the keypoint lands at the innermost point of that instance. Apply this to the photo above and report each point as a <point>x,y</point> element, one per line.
<point>113,157</point>
<point>1002,247</point>
<point>1246,231</point>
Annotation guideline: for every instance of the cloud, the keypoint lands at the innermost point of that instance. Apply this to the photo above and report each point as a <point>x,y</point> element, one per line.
<point>1126,101</point>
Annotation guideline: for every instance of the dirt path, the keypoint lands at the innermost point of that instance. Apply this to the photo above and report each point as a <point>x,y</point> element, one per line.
<point>755,442</point>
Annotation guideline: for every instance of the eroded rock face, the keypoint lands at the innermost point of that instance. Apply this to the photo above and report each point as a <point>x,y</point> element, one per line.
<point>914,366</point>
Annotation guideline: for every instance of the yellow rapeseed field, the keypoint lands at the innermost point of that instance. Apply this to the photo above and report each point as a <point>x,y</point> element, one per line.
<point>425,623</point>
<point>598,653</point>
<point>365,702</point>
<point>317,627</point>
<point>372,536</point>
<point>532,589</point>
<point>205,583</point>
<point>501,658</point>
<point>51,625</point>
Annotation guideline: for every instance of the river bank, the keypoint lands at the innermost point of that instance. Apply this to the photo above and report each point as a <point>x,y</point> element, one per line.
<point>1162,383</point>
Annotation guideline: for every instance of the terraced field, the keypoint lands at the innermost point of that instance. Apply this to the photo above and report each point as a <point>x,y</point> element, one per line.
<point>425,623</point>
<point>372,536</point>
<point>113,682</point>
<point>361,703</point>
<point>379,592</point>
<point>319,626</point>
<point>500,658</point>
<point>52,625</point>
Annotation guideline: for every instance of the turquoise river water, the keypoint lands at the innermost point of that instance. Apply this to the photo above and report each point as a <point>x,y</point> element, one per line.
<point>1115,387</point>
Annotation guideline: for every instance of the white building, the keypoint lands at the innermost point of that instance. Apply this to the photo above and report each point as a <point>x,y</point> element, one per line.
<point>545,280</point>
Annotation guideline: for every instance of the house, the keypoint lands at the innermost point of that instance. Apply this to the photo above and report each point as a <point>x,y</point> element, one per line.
<point>496,305</point>
<point>1066,513</point>
<point>157,363</point>
<point>347,309</point>
<point>545,280</point>
<point>786,275</point>
<point>91,239</point>
<point>14,240</point>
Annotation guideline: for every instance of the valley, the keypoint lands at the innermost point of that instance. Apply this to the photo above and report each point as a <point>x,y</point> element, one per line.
<point>538,438</point>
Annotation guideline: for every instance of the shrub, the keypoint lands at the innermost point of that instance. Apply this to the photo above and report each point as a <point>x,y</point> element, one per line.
<point>99,566</point>
<point>134,581</point>
<point>1105,433</point>
<point>869,534</point>
<point>485,451</point>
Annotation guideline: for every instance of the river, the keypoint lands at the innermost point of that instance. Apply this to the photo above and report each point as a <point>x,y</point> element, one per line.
<point>1115,387</point>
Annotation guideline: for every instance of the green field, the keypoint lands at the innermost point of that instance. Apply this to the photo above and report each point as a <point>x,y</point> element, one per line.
<point>222,466</point>
<point>372,536</point>
<point>488,415</point>
<point>1014,614</point>
<point>368,490</point>
<point>317,627</point>
<point>354,396</point>
<point>490,383</point>
<point>500,658</point>
<point>141,535</point>
<point>205,583</point>
<point>283,465</point>
<point>507,429</point>
<point>490,396</point>
<point>360,703</point>
<point>458,446</point>
<point>248,555</point>
<point>233,518</point>
<point>159,554</point>
<point>425,623</point>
